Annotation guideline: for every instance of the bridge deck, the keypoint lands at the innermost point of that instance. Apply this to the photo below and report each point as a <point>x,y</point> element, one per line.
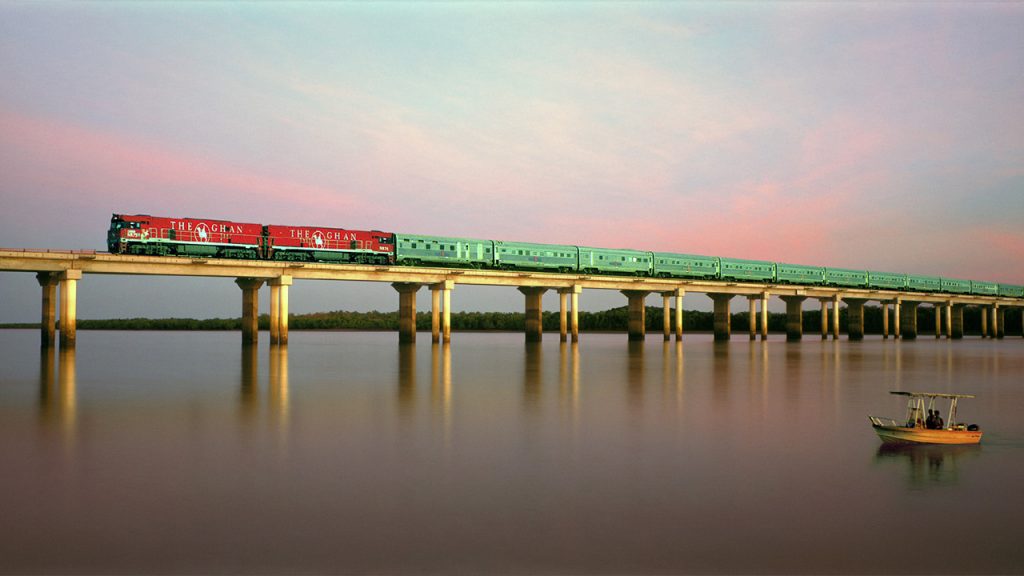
<point>89,262</point>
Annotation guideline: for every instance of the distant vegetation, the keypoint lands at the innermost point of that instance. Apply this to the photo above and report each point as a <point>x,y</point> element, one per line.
<point>615,320</point>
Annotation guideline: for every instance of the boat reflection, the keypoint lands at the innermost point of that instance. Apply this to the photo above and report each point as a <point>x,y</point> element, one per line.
<point>928,465</point>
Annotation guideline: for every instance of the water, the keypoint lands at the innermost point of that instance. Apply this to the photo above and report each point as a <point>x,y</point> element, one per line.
<point>182,453</point>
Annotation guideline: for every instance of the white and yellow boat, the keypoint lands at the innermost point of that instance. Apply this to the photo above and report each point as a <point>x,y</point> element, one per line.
<point>914,430</point>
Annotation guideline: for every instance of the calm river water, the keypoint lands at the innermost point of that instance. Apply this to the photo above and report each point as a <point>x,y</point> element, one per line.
<point>183,453</point>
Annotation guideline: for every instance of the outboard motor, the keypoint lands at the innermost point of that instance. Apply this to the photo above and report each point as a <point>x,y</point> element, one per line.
<point>973,428</point>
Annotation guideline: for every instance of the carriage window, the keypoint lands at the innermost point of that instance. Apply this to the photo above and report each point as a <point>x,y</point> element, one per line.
<point>413,245</point>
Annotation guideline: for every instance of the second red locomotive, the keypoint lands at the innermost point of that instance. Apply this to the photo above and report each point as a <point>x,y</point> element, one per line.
<point>307,243</point>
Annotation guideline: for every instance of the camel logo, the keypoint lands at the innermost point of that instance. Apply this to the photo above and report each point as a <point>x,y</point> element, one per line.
<point>202,232</point>
<point>318,239</point>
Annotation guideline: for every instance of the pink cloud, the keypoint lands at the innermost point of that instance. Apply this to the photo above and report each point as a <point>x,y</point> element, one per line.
<point>61,159</point>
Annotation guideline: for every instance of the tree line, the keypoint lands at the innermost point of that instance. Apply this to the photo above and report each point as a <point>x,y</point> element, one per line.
<point>613,320</point>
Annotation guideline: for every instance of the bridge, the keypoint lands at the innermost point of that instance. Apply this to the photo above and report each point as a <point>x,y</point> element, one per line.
<point>64,269</point>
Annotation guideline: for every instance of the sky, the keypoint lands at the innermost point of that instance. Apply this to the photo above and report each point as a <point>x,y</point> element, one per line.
<point>860,135</point>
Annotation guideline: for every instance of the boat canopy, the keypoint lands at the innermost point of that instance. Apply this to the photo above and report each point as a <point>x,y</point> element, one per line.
<point>930,394</point>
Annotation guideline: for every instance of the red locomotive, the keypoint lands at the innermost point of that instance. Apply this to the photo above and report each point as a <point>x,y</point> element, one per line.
<point>160,236</point>
<point>308,243</point>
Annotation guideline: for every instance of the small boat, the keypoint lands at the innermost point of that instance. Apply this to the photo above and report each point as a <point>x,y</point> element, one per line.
<point>915,428</point>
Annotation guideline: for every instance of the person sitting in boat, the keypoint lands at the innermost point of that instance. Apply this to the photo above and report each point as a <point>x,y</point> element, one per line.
<point>939,424</point>
<point>929,423</point>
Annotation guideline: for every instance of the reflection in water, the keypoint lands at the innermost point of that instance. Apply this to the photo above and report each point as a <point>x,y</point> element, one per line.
<point>406,377</point>
<point>57,389</point>
<point>635,374</point>
<point>757,371</point>
<point>704,465</point>
<point>929,464</point>
<point>720,376</point>
<point>278,393</point>
<point>672,374</point>
<point>250,390</point>
<point>569,379</point>
<point>441,385</point>
<point>533,385</point>
<point>279,408</point>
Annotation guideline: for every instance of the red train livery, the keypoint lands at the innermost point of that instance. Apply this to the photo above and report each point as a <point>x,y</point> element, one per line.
<point>160,236</point>
<point>304,243</point>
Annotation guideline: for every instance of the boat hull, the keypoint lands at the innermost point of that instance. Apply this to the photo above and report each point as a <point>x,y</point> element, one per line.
<point>904,435</point>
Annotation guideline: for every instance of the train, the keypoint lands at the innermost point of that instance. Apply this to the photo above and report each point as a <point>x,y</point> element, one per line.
<point>205,238</point>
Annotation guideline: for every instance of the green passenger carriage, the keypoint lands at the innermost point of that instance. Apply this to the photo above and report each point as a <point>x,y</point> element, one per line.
<point>799,274</point>
<point>954,286</point>
<point>414,250</point>
<point>612,261</point>
<point>669,265</point>
<point>745,270</point>
<point>887,280</point>
<point>528,256</point>
<point>1011,290</point>
<point>846,277</point>
<point>984,288</point>
<point>924,283</point>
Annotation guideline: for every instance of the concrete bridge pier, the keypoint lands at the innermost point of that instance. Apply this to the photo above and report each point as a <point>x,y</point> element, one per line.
<point>441,318</point>
<point>854,318</point>
<point>824,317</point>
<point>885,320</point>
<point>956,321</point>
<point>569,321</point>
<point>723,322</point>
<point>896,333</point>
<point>48,323</point>
<point>947,317</point>
<point>406,311</point>
<point>938,320</point>
<point>250,308</point>
<point>753,319</point>
<point>68,281</point>
<point>998,315</point>
<point>835,317</point>
<point>279,309</point>
<point>637,313</point>
<point>534,313</point>
<point>984,322</point>
<point>563,315</point>
<point>764,316</point>
<point>666,314</point>
<point>752,316</point>
<point>794,317</point>
<point>679,293</point>
<point>909,320</point>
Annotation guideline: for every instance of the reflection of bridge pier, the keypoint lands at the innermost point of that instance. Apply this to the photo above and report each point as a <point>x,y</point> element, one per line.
<point>278,387</point>
<point>635,373</point>
<point>58,388</point>
<point>673,375</point>
<point>569,377</point>
<point>533,374</point>
<point>441,380</point>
